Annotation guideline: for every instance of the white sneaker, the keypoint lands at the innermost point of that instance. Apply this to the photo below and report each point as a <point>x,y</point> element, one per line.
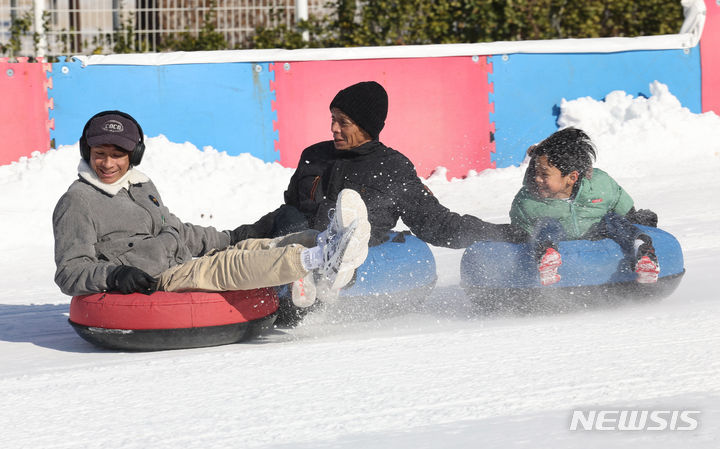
<point>349,207</point>
<point>337,268</point>
<point>346,240</point>
<point>304,291</point>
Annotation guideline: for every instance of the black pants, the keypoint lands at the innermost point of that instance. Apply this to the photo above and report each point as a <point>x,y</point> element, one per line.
<point>288,220</point>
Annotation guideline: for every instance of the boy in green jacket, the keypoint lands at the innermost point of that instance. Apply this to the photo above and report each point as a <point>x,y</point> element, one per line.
<point>564,198</point>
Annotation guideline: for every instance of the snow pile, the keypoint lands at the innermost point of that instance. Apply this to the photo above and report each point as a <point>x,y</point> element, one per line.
<point>210,187</point>
<point>636,136</point>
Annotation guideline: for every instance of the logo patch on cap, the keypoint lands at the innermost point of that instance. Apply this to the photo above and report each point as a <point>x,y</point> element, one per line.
<point>113,126</point>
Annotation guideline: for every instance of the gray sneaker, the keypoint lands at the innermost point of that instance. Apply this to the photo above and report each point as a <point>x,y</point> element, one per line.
<point>345,242</point>
<point>348,207</point>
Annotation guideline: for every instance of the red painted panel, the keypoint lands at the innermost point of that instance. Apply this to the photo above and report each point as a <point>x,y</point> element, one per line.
<point>438,113</point>
<point>710,58</point>
<point>23,109</point>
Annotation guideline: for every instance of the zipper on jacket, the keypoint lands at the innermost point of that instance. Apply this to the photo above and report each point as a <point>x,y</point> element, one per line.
<point>573,215</point>
<point>316,181</point>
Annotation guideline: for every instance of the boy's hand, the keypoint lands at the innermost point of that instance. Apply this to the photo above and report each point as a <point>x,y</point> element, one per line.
<point>644,217</point>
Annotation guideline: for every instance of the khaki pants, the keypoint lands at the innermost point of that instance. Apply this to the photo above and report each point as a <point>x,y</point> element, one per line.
<point>252,263</point>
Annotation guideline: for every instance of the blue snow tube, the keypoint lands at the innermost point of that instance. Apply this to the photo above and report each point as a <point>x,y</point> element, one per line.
<point>396,277</point>
<point>401,266</point>
<point>500,275</point>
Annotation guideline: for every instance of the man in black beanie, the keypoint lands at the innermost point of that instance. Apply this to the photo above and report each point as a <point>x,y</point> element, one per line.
<point>385,178</point>
<point>366,104</point>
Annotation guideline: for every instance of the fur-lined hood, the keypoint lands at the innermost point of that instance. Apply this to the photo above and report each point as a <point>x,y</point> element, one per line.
<point>133,176</point>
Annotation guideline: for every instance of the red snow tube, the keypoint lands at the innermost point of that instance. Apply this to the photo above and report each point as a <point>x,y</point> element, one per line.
<point>168,320</point>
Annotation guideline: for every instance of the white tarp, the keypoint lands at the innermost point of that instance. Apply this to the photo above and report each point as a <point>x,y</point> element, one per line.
<point>688,37</point>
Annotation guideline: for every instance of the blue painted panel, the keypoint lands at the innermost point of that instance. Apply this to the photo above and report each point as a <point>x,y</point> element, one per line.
<point>528,89</point>
<point>226,106</point>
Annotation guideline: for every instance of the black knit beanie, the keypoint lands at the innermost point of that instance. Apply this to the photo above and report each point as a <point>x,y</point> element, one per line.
<point>366,103</point>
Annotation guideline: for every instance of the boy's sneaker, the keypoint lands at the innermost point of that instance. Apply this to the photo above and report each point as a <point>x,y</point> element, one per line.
<point>647,266</point>
<point>304,291</point>
<point>647,270</point>
<point>548,267</point>
<point>345,242</point>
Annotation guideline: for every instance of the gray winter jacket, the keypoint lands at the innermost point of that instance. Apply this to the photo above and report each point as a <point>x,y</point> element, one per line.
<point>99,227</point>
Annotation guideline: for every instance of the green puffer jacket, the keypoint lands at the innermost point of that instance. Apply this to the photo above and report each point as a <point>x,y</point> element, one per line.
<point>99,227</point>
<point>594,198</point>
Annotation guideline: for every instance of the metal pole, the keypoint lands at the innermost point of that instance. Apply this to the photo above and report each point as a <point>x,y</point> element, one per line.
<point>301,13</point>
<point>115,15</point>
<point>39,23</point>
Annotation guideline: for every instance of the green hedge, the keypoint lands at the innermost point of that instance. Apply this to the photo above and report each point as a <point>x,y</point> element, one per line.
<point>372,23</point>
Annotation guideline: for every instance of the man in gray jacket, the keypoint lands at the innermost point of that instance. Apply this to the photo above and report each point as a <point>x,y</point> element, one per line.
<point>113,233</point>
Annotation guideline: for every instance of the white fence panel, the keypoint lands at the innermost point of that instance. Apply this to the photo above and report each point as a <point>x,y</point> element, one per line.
<point>65,27</point>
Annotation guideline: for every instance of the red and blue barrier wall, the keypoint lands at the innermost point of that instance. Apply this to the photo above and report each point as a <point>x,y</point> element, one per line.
<point>462,106</point>
<point>226,106</point>
<point>274,111</point>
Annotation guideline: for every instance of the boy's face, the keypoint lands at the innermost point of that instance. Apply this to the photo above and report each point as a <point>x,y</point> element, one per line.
<point>346,133</point>
<point>550,183</point>
<point>109,162</point>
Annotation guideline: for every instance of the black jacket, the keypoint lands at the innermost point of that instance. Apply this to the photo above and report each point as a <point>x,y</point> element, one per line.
<point>391,189</point>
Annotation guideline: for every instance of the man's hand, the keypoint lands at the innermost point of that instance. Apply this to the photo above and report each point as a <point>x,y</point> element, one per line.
<point>126,279</point>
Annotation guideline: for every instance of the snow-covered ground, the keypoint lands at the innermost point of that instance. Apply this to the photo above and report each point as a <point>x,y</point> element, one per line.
<point>440,377</point>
